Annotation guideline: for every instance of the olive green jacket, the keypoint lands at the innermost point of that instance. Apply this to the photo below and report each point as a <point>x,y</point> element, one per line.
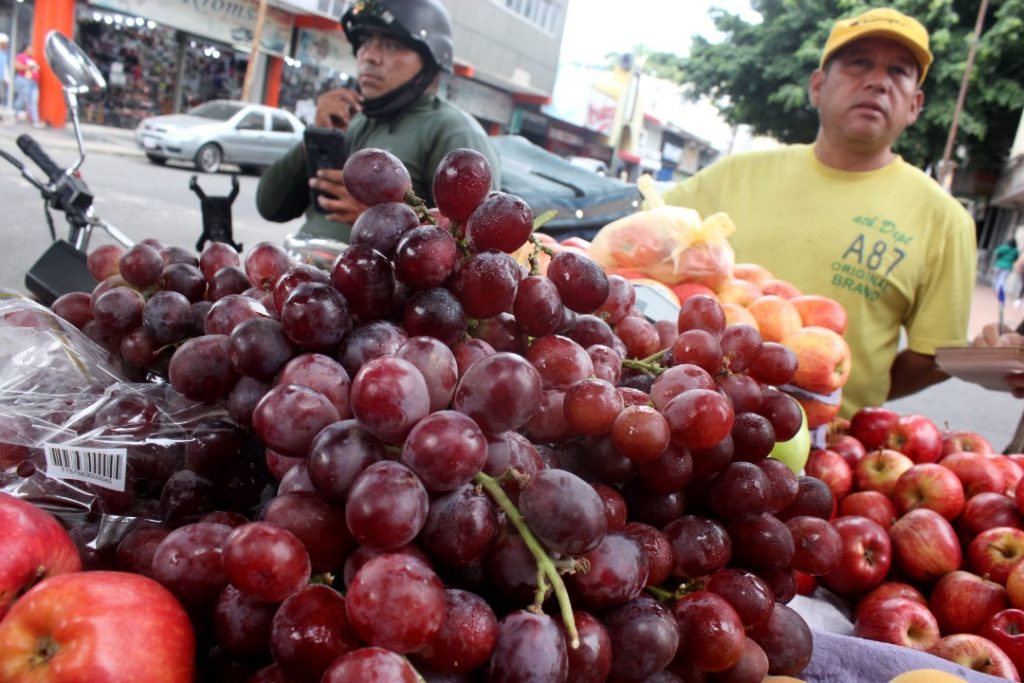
<point>420,136</point>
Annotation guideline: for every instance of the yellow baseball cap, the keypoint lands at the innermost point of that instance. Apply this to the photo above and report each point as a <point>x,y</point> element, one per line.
<point>886,23</point>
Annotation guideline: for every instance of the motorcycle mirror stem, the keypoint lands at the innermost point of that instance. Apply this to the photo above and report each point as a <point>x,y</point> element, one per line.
<point>78,74</point>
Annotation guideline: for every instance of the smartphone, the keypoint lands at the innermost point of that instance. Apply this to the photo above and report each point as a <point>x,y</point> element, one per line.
<point>324,149</point>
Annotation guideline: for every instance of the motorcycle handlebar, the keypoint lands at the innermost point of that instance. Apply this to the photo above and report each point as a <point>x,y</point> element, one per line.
<point>33,151</point>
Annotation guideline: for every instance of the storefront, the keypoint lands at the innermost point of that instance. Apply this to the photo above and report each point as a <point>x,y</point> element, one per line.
<point>168,57</point>
<point>161,57</point>
<point>152,68</point>
<point>321,59</point>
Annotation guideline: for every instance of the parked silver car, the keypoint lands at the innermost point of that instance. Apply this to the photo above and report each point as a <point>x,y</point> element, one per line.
<point>250,135</point>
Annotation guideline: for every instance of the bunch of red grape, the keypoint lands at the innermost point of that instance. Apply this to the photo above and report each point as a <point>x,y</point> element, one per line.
<point>500,474</point>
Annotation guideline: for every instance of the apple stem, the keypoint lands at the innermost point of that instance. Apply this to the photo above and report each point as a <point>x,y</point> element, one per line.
<point>46,649</point>
<point>546,570</point>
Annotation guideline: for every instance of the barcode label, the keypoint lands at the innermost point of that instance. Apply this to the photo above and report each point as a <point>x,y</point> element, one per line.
<point>101,466</point>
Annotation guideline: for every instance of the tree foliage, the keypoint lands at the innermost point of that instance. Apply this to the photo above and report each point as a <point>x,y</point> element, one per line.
<point>758,75</point>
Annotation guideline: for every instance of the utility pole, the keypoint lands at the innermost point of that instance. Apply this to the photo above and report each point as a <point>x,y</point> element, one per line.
<point>946,165</point>
<point>257,37</point>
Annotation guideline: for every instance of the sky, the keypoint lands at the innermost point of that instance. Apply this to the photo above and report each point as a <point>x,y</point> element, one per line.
<point>594,28</point>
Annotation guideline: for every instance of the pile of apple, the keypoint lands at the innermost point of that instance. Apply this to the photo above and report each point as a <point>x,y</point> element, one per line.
<point>933,537</point>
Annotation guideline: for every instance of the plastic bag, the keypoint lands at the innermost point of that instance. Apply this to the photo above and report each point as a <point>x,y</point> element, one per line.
<point>93,449</point>
<point>668,243</point>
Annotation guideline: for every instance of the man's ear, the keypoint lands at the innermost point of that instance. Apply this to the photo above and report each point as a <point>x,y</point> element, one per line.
<point>916,106</point>
<point>814,86</point>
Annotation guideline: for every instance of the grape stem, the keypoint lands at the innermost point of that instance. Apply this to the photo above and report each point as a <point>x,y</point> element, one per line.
<point>546,571</point>
<point>650,364</point>
<point>420,207</point>
<point>684,588</point>
<point>660,593</point>
<point>534,257</point>
<point>540,220</point>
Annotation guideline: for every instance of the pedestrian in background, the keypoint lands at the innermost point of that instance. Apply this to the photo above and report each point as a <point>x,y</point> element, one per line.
<point>26,85</point>
<point>5,78</point>
<point>1018,271</point>
<point>1005,257</point>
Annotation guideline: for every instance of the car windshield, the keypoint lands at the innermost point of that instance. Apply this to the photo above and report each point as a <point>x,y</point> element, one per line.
<point>218,111</point>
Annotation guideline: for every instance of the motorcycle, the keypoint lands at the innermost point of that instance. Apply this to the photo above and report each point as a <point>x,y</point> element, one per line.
<point>62,267</point>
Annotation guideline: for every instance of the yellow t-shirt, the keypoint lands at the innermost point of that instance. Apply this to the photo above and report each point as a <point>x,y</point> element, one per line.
<point>889,244</point>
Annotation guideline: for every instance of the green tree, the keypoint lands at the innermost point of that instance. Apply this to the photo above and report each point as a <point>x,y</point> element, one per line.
<point>758,74</point>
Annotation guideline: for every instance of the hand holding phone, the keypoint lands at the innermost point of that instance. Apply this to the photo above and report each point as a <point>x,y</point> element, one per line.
<point>325,148</point>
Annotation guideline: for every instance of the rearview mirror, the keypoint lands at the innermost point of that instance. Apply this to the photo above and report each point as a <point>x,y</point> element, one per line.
<point>73,68</point>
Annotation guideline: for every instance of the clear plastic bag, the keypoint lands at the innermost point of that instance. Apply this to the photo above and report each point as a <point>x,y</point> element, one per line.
<point>668,243</point>
<point>80,441</point>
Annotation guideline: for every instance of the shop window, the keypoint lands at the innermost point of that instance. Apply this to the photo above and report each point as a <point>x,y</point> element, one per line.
<point>280,124</point>
<point>542,13</point>
<point>251,121</point>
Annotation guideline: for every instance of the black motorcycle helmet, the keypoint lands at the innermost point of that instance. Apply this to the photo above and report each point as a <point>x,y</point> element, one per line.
<point>423,25</point>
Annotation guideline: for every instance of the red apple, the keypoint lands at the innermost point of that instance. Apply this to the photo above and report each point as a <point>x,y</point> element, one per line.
<point>898,621</point>
<point>867,555</point>
<point>1012,471</point>
<point>977,653</point>
<point>927,485</point>
<point>786,290</point>
<point>752,272</point>
<point>776,317</point>
<point>916,437</point>
<point>805,583</point>
<point>987,510</point>
<point>876,506</point>
<point>821,311</point>
<point>1006,629</point>
<point>737,291</point>
<point>995,551</point>
<point>888,590</point>
<point>823,359</point>
<point>33,545</point>
<point>849,447</point>
<point>114,627</point>
<point>924,545</point>
<point>871,426</point>
<point>879,470</point>
<point>832,469</point>
<point>1015,586</point>
<point>975,471</point>
<point>818,412</point>
<point>684,290</point>
<point>962,601</point>
<point>954,440</point>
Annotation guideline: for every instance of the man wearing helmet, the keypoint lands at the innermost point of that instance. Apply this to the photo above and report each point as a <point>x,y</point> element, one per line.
<point>401,47</point>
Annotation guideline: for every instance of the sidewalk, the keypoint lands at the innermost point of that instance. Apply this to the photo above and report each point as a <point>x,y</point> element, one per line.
<point>97,139</point>
<point>985,310</point>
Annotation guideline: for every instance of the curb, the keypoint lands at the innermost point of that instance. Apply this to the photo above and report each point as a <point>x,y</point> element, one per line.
<point>64,139</point>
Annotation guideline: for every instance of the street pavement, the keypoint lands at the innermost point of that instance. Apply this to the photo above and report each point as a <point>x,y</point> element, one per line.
<point>954,403</point>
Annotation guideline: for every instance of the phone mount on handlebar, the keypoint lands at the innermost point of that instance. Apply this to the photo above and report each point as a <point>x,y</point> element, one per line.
<point>217,224</point>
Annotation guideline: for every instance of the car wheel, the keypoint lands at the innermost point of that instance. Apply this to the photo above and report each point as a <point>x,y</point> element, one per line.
<point>159,161</point>
<point>209,157</point>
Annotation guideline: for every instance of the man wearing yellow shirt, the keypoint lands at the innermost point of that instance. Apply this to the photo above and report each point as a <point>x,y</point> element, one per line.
<point>846,217</point>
